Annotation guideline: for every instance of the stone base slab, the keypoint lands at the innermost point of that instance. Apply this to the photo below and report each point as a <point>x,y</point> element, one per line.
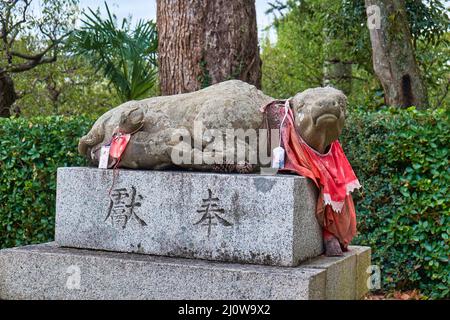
<point>49,272</point>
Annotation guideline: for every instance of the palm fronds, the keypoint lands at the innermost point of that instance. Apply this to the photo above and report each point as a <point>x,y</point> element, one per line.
<point>127,57</point>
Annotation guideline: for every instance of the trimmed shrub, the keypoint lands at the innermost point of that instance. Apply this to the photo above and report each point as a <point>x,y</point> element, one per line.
<point>30,152</point>
<point>402,160</point>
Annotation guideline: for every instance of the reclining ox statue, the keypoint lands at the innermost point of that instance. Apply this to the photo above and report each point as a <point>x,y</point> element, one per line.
<point>159,126</point>
<point>223,128</point>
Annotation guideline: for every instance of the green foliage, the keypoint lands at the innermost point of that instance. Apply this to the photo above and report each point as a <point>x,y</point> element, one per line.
<point>44,32</point>
<point>55,82</point>
<point>69,86</point>
<point>294,63</point>
<point>435,68</point>
<point>30,152</point>
<point>401,158</point>
<point>429,24</point>
<point>127,57</point>
<point>310,32</point>
<point>428,20</point>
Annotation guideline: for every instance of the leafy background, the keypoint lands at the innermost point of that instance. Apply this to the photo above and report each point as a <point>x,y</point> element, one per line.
<point>401,157</point>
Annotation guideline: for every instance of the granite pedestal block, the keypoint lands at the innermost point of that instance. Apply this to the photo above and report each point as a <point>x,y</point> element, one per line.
<point>225,217</point>
<point>50,272</point>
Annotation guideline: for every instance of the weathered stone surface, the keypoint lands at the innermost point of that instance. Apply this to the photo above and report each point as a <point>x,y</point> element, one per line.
<point>49,272</point>
<point>363,261</point>
<point>231,104</point>
<point>254,219</point>
<point>320,116</point>
<point>341,275</point>
<point>346,278</point>
<point>156,123</point>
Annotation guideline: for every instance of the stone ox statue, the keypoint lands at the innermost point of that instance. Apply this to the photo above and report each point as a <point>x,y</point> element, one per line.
<point>158,123</point>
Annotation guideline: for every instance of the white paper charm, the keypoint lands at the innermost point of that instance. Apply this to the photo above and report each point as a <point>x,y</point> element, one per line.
<point>104,157</point>
<point>278,158</point>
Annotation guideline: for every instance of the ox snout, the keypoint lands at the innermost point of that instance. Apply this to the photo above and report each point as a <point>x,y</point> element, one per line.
<point>329,111</point>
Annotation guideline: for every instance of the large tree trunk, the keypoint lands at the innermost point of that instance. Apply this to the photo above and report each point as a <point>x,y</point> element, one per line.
<point>202,42</point>
<point>393,54</point>
<point>7,95</point>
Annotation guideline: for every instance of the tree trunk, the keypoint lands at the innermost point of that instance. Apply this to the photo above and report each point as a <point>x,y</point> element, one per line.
<point>393,54</point>
<point>202,42</point>
<point>7,95</point>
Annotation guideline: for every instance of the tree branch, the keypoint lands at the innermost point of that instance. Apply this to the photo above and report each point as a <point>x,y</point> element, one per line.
<point>31,64</point>
<point>36,59</point>
<point>37,56</point>
<point>15,27</point>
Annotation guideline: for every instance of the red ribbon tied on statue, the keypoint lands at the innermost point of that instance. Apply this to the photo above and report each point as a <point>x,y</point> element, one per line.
<point>118,144</point>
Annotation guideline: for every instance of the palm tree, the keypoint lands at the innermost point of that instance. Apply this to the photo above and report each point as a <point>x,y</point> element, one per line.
<point>126,56</point>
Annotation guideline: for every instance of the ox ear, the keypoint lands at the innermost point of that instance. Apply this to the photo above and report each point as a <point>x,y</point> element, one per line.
<point>298,101</point>
<point>342,100</point>
<point>136,115</point>
<point>132,116</point>
<point>341,97</point>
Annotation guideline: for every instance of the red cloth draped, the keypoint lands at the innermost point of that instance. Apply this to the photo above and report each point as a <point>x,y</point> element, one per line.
<point>332,174</point>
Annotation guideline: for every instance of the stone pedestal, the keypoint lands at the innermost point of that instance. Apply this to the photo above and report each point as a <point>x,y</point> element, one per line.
<point>223,217</point>
<point>247,237</point>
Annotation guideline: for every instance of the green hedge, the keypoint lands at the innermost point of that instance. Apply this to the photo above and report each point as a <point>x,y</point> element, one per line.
<point>30,152</point>
<point>401,158</point>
